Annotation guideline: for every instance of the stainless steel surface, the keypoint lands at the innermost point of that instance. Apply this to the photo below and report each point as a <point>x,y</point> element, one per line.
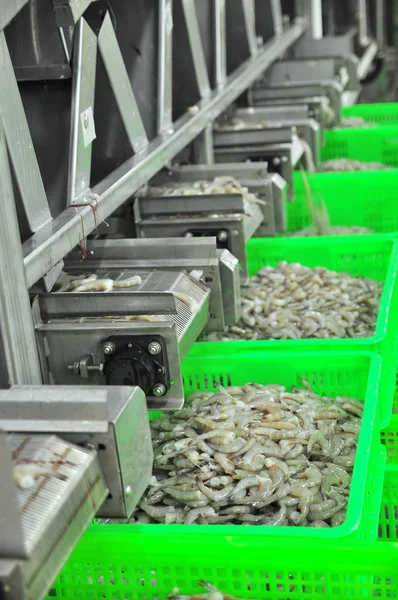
<point>20,146</point>
<point>328,46</point>
<point>366,60</point>
<point>307,129</point>
<point>277,16</point>
<point>60,409</point>
<point>119,433</point>
<point>97,304</point>
<point>12,543</point>
<point>165,75</point>
<point>35,44</point>
<point>64,341</point>
<point>230,281</point>
<point>57,508</point>
<point>250,25</point>
<point>53,242</point>
<point>203,151</point>
<point>8,10</point>
<point>68,12</point>
<point>82,130</point>
<point>20,359</point>
<point>380,24</point>
<point>11,579</point>
<point>316,19</point>
<point>182,255</point>
<point>177,216</point>
<point>252,175</point>
<point>279,197</point>
<point>220,43</point>
<point>120,84</point>
<point>362,16</point>
<point>195,41</point>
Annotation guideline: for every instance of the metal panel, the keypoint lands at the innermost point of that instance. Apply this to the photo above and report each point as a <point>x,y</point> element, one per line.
<point>121,87</point>
<point>17,335</point>
<point>62,409</point>
<point>82,132</point>
<point>63,234</point>
<point>20,146</point>
<point>96,304</point>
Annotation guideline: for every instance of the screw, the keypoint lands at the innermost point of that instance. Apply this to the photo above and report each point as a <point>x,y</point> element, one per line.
<point>129,345</point>
<point>276,161</point>
<point>109,348</point>
<point>222,236</point>
<point>90,446</point>
<point>154,348</point>
<point>159,389</point>
<point>188,234</point>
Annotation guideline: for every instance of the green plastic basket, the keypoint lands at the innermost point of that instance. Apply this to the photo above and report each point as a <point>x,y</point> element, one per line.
<point>369,256</point>
<point>388,519</point>
<point>366,199</point>
<point>385,113</point>
<point>376,144</point>
<point>111,563</point>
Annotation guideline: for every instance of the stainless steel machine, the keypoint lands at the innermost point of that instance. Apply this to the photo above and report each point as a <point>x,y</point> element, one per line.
<point>105,282</point>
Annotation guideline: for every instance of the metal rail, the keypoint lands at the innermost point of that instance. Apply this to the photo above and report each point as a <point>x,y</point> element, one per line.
<point>48,246</point>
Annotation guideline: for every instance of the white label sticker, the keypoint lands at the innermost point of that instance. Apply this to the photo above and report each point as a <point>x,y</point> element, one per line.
<point>88,126</point>
<point>169,19</point>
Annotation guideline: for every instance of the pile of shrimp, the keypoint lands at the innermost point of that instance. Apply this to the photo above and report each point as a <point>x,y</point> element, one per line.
<point>91,283</point>
<point>348,164</point>
<point>291,301</point>
<point>253,455</point>
<point>219,185</point>
<point>337,230</point>
<point>212,593</point>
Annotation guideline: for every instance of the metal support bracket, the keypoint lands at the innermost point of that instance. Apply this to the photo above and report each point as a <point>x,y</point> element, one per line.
<point>20,145</point>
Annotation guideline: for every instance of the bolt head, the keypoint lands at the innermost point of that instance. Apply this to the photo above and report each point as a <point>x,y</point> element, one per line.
<point>159,390</point>
<point>109,348</point>
<point>154,348</point>
<point>222,236</point>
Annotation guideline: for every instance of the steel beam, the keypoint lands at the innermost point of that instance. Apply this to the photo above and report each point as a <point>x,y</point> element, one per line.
<point>121,87</point>
<point>165,67</point>
<point>20,145</point>
<point>195,42</point>
<point>16,325</point>
<point>82,131</point>
<point>249,16</point>
<point>220,43</point>
<point>47,247</point>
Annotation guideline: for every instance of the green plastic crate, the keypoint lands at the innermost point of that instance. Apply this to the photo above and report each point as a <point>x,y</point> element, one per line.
<point>366,199</point>
<point>385,113</point>
<point>376,144</point>
<point>111,563</point>
<point>369,256</point>
<point>388,519</point>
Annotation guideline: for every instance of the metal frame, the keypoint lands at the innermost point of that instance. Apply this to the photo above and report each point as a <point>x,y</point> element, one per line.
<point>46,248</point>
<point>86,207</point>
